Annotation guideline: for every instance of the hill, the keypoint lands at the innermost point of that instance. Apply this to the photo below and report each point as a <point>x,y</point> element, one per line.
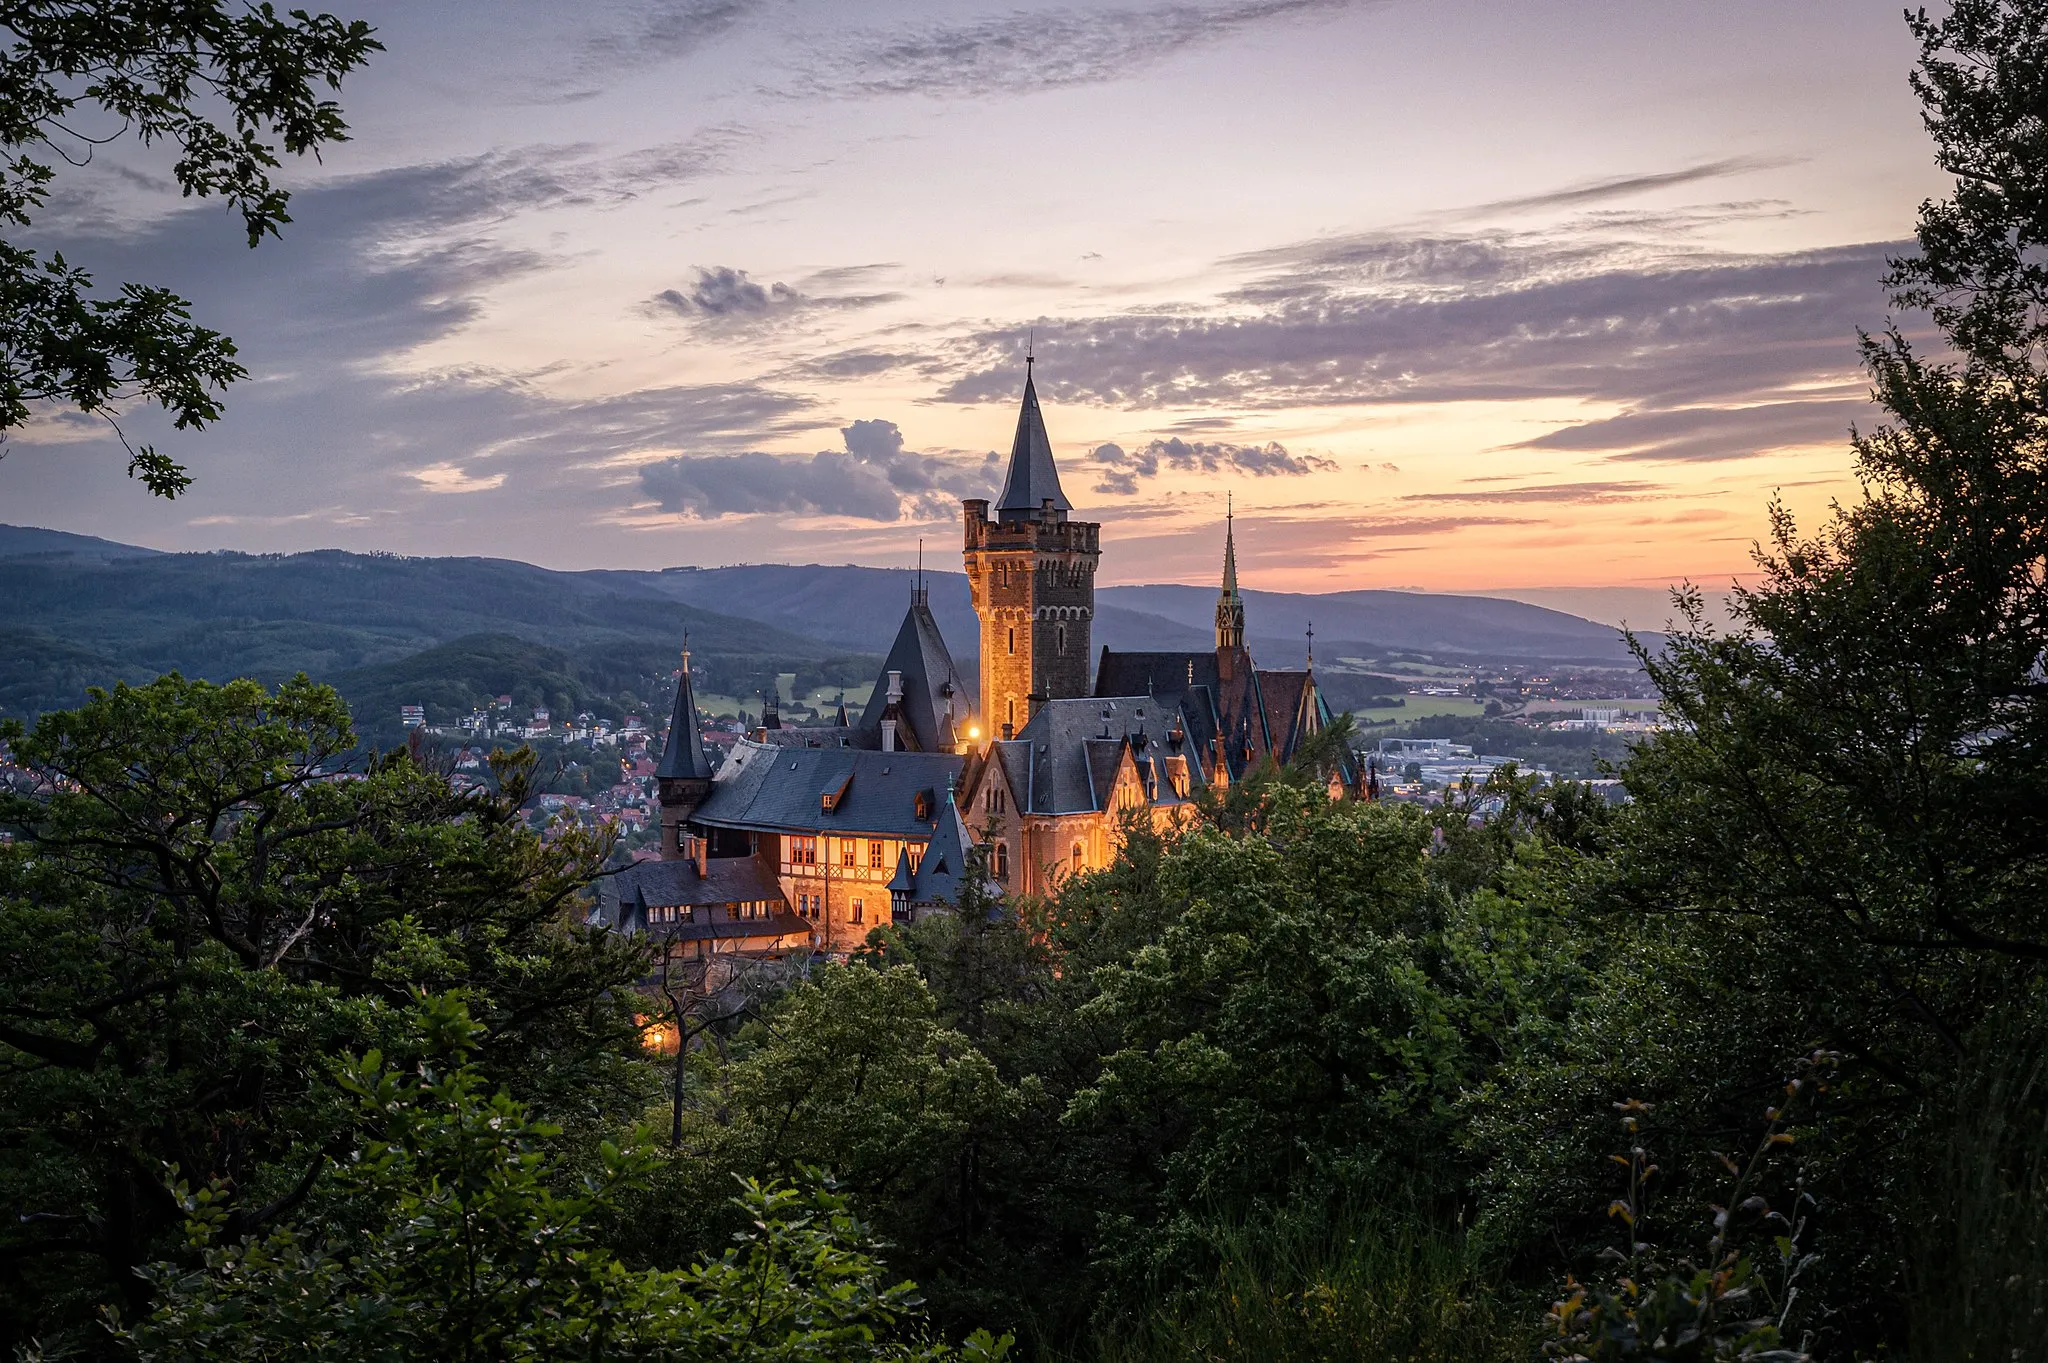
<point>445,632</point>
<point>70,618</point>
<point>1379,622</point>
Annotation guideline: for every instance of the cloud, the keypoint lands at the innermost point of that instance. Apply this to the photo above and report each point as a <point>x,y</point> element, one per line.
<point>1120,469</point>
<point>1580,493</point>
<point>1709,433</point>
<point>1024,51</point>
<point>723,293</point>
<point>1623,186</point>
<point>1492,317</point>
<point>874,478</point>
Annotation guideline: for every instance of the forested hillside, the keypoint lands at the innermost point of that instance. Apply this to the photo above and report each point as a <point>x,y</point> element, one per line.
<point>440,632</point>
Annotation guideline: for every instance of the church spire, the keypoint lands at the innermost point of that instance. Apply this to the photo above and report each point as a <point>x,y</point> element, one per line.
<point>1033,479</point>
<point>1229,605</point>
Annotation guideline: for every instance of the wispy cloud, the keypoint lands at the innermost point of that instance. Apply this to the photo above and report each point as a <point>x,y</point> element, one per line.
<point>1586,493</point>
<point>1609,188</point>
<point>1024,51</point>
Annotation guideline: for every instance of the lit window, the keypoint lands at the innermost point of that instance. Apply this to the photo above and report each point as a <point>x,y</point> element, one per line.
<point>846,851</point>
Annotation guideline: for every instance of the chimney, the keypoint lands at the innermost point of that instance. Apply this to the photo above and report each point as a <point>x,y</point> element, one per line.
<point>893,708</point>
<point>701,847</point>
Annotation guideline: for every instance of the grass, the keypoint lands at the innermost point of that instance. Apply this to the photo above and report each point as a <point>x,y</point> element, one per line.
<point>1421,708</point>
<point>1980,1267</point>
<point>1371,1286</point>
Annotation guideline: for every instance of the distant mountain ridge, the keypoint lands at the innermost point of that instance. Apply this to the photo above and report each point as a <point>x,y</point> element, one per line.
<point>78,611</point>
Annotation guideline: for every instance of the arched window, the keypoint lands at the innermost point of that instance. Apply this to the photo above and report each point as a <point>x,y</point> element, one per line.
<point>1013,638</point>
<point>1063,641</point>
<point>1002,861</point>
<point>1077,856</point>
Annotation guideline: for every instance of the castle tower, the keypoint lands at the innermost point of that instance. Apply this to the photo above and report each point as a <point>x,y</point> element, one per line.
<point>1032,575</point>
<point>683,779</point>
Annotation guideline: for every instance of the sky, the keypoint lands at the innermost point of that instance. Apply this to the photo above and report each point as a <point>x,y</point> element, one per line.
<point>1455,295</point>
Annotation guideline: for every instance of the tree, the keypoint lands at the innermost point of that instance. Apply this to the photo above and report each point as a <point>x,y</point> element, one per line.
<point>230,87</point>
<point>1844,841</point>
<point>453,1237</point>
<point>1865,760</point>
<point>199,911</point>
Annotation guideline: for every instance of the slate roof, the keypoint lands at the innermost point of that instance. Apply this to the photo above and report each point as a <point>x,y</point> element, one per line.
<point>781,789</point>
<point>1281,692</point>
<point>684,754</point>
<point>1069,753</point>
<point>625,898</point>
<point>813,736</point>
<point>935,694</point>
<point>1033,479</point>
<point>943,868</point>
<point>1154,674</point>
<point>1211,706</point>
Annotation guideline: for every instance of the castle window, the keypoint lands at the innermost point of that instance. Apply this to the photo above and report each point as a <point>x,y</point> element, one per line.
<point>995,801</point>
<point>1013,711</point>
<point>1063,641</point>
<point>1013,638</point>
<point>846,851</point>
<point>874,854</point>
<point>859,911</point>
<point>916,856</point>
<point>1077,856</point>
<point>803,851</point>
<point>1002,861</point>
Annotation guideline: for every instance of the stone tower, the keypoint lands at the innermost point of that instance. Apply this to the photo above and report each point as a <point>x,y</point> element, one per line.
<point>1032,573</point>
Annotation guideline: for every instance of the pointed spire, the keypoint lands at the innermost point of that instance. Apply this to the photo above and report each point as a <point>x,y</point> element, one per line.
<point>1308,718</point>
<point>1033,479</point>
<point>1229,544</point>
<point>683,758</point>
<point>1229,605</point>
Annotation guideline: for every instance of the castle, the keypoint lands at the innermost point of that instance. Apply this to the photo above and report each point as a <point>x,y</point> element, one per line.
<point>806,838</point>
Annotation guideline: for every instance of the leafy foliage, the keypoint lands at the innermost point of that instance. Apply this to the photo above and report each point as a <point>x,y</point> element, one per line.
<point>467,1248</point>
<point>230,87</point>
<point>195,914</point>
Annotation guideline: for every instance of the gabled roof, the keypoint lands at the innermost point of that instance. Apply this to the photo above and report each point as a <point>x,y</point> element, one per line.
<point>1071,750</point>
<point>1282,692</point>
<point>783,790</point>
<point>935,694</point>
<point>623,900</point>
<point>1033,479</point>
<point>1209,706</point>
<point>684,756</point>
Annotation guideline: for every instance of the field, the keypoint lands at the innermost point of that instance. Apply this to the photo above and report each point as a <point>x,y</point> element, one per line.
<point>1420,708</point>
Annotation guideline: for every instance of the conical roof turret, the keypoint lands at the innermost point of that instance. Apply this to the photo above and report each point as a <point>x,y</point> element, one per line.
<point>1033,479</point>
<point>683,758</point>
